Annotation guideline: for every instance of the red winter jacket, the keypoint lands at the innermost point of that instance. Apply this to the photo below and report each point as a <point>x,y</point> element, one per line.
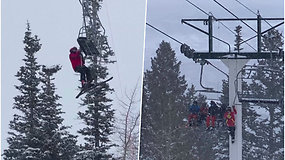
<point>204,110</point>
<point>230,118</point>
<point>76,59</point>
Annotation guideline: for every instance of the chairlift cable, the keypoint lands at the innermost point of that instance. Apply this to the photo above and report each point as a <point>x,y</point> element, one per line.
<point>252,11</point>
<point>235,16</point>
<point>114,46</point>
<point>198,8</point>
<point>245,41</point>
<point>164,34</point>
<point>212,15</point>
<point>218,21</point>
<point>217,68</point>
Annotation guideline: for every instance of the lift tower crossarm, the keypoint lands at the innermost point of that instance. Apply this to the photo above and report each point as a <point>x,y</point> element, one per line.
<point>232,19</point>
<point>231,55</point>
<point>210,34</point>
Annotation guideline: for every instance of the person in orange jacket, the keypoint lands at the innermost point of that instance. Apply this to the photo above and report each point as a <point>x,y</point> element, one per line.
<point>230,121</point>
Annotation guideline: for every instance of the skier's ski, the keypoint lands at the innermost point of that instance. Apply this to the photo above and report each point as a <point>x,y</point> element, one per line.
<point>92,85</point>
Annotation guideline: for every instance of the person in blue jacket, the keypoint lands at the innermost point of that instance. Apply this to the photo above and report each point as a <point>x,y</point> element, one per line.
<point>193,113</point>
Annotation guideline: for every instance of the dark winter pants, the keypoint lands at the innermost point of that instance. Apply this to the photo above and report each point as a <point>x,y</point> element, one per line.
<point>232,131</point>
<point>202,118</point>
<point>83,70</point>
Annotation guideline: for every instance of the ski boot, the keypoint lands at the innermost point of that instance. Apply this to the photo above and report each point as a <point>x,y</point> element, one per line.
<point>233,139</point>
<point>85,84</point>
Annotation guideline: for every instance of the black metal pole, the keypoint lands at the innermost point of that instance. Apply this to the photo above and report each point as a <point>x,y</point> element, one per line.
<point>210,34</point>
<point>258,33</point>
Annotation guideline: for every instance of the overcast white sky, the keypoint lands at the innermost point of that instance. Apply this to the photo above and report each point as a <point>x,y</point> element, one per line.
<point>167,15</point>
<point>57,23</point>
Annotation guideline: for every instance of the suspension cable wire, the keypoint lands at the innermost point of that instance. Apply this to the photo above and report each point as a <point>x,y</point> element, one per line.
<point>210,15</point>
<point>263,32</point>
<point>114,46</point>
<point>217,68</point>
<point>219,22</point>
<point>252,11</point>
<point>198,7</point>
<point>255,13</point>
<point>164,33</point>
<point>235,16</point>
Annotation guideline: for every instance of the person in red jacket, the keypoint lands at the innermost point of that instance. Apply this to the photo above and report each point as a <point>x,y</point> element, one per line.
<point>230,121</point>
<point>77,62</point>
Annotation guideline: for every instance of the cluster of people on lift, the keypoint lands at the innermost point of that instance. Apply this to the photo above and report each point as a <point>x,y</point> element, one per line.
<point>202,113</point>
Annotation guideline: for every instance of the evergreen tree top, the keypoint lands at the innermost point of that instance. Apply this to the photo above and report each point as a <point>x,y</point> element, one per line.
<point>32,44</point>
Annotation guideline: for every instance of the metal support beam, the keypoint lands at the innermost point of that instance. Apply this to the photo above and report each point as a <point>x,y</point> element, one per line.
<point>234,19</point>
<point>258,33</point>
<point>234,66</point>
<point>210,25</point>
<point>233,55</point>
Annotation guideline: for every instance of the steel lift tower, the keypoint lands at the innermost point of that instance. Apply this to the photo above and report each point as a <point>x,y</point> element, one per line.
<point>93,43</point>
<point>235,61</point>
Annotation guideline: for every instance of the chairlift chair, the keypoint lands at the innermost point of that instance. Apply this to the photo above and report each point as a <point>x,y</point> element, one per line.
<point>205,89</point>
<point>86,45</point>
<point>242,97</point>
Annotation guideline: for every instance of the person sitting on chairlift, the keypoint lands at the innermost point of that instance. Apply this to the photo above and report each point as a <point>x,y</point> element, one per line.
<point>230,121</point>
<point>193,113</point>
<point>203,113</point>
<point>77,62</point>
<point>213,109</point>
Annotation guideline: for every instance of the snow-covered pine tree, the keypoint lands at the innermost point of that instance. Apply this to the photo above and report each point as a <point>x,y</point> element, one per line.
<point>265,134</point>
<point>146,133</point>
<point>24,139</point>
<point>98,116</point>
<point>201,98</point>
<point>190,96</point>
<point>224,98</point>
<point>58,142</point>
<point>163,104</point>
<point>238,39</point>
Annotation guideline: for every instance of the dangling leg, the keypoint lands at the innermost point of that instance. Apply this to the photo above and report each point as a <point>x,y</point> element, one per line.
<point>191,116</point>
<point>194,120</point>
<point>87,72</point>
<point>232,133</point>
<point>189,120</point>
<point>82,75</point>
<point>213,121</point>
<point>208,122</point>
